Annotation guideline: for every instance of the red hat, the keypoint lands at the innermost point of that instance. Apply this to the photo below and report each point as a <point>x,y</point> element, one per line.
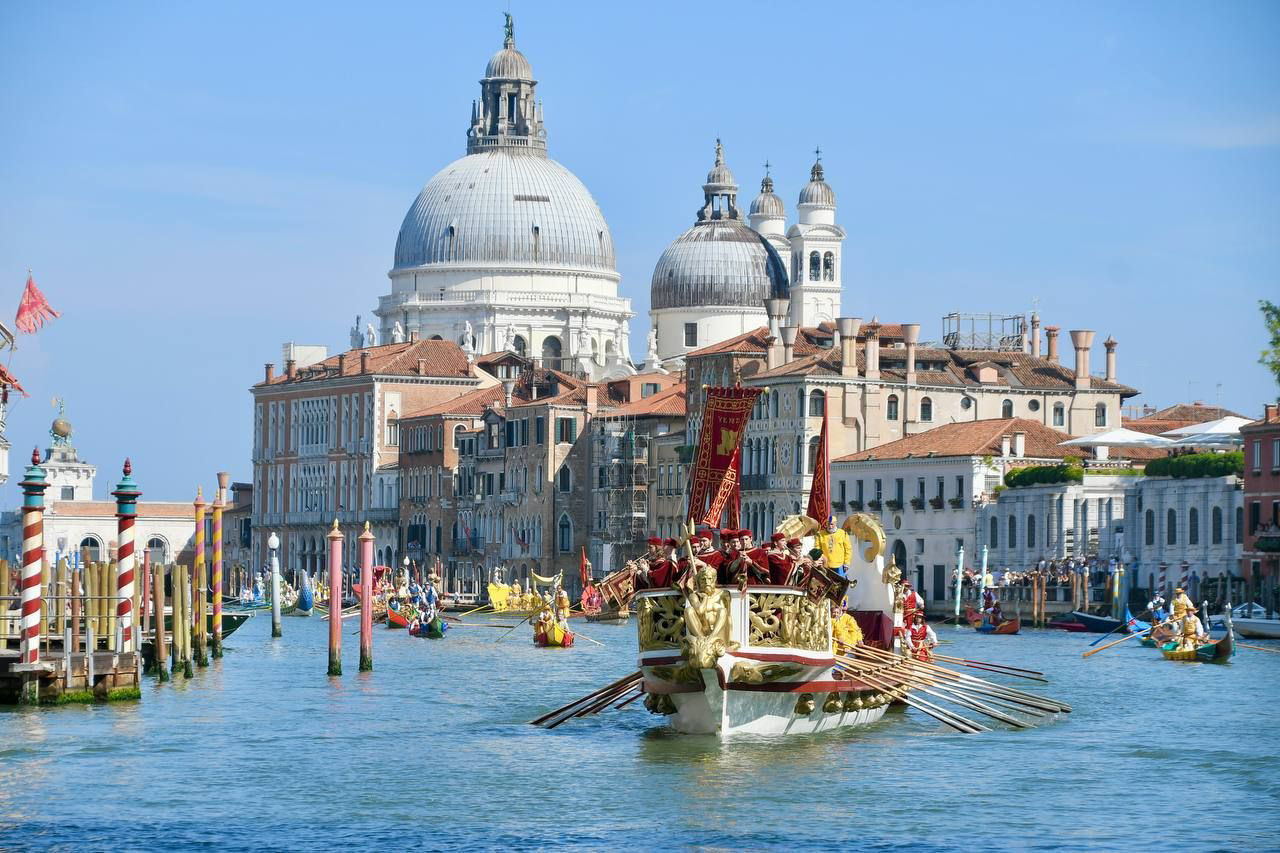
<point>906,584</point>
<point>669,542</point>
<point>778,537</point>
<point>655,541</point>
<point>726,533</point>
<point>706,537</point>
<point>794,543</point>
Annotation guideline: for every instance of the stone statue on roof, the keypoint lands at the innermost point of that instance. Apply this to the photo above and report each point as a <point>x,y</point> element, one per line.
<point>357,339</point>
<point>651,353</point>
<point>397,333</point>
<point>370,336</point>
<point>468,336</point>
<point>618,341</point>
<point>509,338</point>
<point>584,342</point>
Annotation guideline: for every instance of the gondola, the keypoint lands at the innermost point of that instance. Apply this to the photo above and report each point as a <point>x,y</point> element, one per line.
<point>434,630</point>
<point>306,600</point>
<point>396,618</point>
<point>1158,636</point>
<point>1135,626</point>
<point>1216,651</point>
<point>1007,626</point>
<point>1096,624</point>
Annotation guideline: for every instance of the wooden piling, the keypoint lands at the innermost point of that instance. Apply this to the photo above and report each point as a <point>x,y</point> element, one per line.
<point>366,600</point>
<point>45,594</point>
<point>335,600</point>
<point>160,653</point>
<point>198,582</point>
<point>77,607</point>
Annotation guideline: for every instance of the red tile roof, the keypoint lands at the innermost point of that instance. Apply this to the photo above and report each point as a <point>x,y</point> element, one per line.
<point>441,359</point>
<point>669,402</point>
<point>973,438</point>
<point>471,404</point>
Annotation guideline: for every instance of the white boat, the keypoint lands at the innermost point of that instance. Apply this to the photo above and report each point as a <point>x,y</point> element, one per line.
<point>1252,620</point>
<point>725,661</point>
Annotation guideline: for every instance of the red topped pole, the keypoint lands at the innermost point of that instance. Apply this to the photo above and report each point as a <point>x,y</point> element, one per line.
<point>335,600</point>
<point>366,600</point>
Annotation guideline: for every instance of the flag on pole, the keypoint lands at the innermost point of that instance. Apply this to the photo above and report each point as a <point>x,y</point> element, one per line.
<point>820,488</point>
<point>34,309</point>
<point>715,464</point>
<point>582,567</point>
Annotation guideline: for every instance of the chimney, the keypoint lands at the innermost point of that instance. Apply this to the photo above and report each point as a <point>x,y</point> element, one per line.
<point>413,336</point>
<point>1051,341</point>
<point>911,331</point>
<point>508,385</point>
<point>1019,443</point>
<point>422,367</point>
<point>872,350</point>
<point>1270,412</point>
<point>848,327</point>
<point>270,371</point>
<point>1082,340</point>
<point>224,480</point>
<point>1110,344</point>
<point>342,363</point>
<point>364,361</point>
<point>593,398</point>
<point>789,343</point>
<point>777,311</point>
<point>291,368</point>
<point>1004,446</point>
<point>1035,335</point>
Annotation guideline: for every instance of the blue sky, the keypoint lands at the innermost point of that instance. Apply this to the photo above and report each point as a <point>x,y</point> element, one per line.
<point>193,185</point>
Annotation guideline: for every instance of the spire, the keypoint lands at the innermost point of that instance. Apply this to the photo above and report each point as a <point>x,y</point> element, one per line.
<point>766,185</point>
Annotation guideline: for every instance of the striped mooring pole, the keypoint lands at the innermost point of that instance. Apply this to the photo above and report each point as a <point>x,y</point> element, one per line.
<point>219,503</point>
<point>126,495</point>
<point>33,487</point>
<point>197,583</point>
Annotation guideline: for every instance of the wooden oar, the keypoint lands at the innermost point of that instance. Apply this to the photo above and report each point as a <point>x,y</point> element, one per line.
<point>1129,637</point>
<point>515,626</point>
<point>919,683</point>
<point>629,677</point>
<point>986,664</point>
<point>1123,624</point>
<point>942,715</point>
<point>588,639</point>
<point>475,610</point>
<point>1258,648</point>
<point>604,699</point>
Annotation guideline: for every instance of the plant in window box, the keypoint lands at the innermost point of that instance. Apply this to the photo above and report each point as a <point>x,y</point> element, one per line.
<point>837,505</point>
<point>936,503</point>
<point>873,504</point>
<point>855,506</point>
<point>917,503</point>
<point>893,505</point>
<point>957,503</point>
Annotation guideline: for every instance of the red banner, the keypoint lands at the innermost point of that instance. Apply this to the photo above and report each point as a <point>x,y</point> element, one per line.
<point>820,488</point>
<point>582,567</point>
<point>715,466</point>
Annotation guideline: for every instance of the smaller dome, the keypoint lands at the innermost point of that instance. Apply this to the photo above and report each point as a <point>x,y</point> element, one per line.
<point>720,176</point>
<point>767,204</point>
<point>817,191</point>
<point>508,64</point>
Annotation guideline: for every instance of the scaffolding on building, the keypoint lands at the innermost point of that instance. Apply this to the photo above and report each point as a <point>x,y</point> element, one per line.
<point>623,453</point>
<point>1003,332</point>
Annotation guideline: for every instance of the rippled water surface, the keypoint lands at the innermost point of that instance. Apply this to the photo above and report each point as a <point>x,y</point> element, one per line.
<point>432,750</point>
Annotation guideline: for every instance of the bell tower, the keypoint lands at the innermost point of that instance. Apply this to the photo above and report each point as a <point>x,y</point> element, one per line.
<point>816,243</point>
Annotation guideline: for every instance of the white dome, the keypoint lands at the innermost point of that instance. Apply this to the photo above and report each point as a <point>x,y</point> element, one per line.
<point>505,207</point>
<point>508,64</point>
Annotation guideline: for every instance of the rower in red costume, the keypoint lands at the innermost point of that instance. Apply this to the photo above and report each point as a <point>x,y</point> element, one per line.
<point>662,572</point>
<point>779,560</point>
<point>748,560</point>
<point>920,638</point>
<point>651,557</point>
<point>727,554</point>
<point>912,603</point>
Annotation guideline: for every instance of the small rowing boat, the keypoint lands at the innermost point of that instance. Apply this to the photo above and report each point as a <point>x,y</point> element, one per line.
<point>552,633</point>
<point>434,630</point>
<point>1007,626</point>
<point>1216,651</point>
<point>1158,636</point>
<point>396,618</point>
<point>1096,624</point>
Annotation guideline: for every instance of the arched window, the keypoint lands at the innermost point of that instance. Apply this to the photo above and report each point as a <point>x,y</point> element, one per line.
<point>564,535</point>
<point>565,479</point>
<point>800,402</point>
<point>773,405</point>
<point>1171,527</point>
<point>1215,535</point>
<point>1006,409</point>
<point>520,345</point>
<point>551,351</point>
<point>159,549</point>
<point>817,404</point>
<point>829,266</point>
<point>1013,532</point>
<point>814,263</point>
<point>798,467</point>
<point>94,546</point>
<point>1193,526</point>
<point>1240,525</point>
<point>995,532</point>
<point>1059,415</point>
<point>748,457</point>
<point>1031,531</point>
<point>813,453</point>
<point>891,407</point>
<point>1100,414</point>
<point>926,410</point>
<point>1149,532</point>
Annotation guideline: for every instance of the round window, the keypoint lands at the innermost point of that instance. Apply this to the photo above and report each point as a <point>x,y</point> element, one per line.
<point>966,402</point>
<point>1034,405</point>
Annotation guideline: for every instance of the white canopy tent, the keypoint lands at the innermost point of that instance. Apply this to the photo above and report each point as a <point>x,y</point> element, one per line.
<point>1229,425</point>
<point>1119,437</point>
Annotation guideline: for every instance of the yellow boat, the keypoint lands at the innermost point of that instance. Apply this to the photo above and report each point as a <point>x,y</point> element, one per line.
<point>552,633</point>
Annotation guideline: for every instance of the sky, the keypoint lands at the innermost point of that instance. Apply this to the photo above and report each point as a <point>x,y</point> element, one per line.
<point>195,184</point>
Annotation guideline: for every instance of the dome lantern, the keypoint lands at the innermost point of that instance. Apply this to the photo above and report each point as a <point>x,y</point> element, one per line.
<point>507,116</point>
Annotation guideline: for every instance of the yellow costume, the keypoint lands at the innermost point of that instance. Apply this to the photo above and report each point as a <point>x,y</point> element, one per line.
<point>844,632</point>
<point>513,601</point>
<point>1181,605</point>
<point>835,547</point>
<point>562,604</point>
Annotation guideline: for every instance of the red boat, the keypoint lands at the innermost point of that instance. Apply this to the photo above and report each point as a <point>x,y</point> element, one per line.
<point>396,619</point>
<point>1073,627</point>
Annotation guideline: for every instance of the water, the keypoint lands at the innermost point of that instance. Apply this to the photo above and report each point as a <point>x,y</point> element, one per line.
<point>433,750</point>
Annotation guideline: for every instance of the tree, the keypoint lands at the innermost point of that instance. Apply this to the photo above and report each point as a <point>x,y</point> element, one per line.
<point>1270,358</point>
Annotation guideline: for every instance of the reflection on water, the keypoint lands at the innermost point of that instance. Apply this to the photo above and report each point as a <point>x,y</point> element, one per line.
<point>433,749</point>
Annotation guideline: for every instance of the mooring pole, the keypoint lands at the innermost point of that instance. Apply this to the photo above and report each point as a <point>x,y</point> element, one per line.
<point>366,600</point>
<point>219,503</point>
<point>126,495</point>
<point>273,545</point>
<point>32,565</point>
<point>198,584</point>
<point>335,600</point>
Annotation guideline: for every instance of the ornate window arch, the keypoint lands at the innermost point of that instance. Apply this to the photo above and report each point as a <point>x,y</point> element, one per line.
<point>815,262</point>
<point>1006,409</point>
<point>829,266</point>
<point>564,534</point>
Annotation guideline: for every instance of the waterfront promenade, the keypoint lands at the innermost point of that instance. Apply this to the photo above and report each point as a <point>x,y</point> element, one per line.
<point>432,750</point>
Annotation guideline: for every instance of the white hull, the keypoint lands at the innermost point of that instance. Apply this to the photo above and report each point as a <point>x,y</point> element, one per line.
<point>734,712</point>
<point>1258,629</point>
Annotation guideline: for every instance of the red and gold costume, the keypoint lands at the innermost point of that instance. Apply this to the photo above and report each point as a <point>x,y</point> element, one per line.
<point>920,640</point>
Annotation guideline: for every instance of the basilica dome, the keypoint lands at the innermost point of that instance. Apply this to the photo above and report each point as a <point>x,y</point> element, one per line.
<point>720,261</point>
<point>505,206</point>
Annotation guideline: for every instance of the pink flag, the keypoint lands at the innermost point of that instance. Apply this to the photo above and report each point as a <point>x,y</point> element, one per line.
<point>34,308</point>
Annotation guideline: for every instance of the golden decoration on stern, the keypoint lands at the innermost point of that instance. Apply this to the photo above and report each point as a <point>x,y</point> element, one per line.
<point>866,528</point>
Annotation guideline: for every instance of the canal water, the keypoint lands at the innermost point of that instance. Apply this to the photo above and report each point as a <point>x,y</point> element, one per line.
<point>262,751</point>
